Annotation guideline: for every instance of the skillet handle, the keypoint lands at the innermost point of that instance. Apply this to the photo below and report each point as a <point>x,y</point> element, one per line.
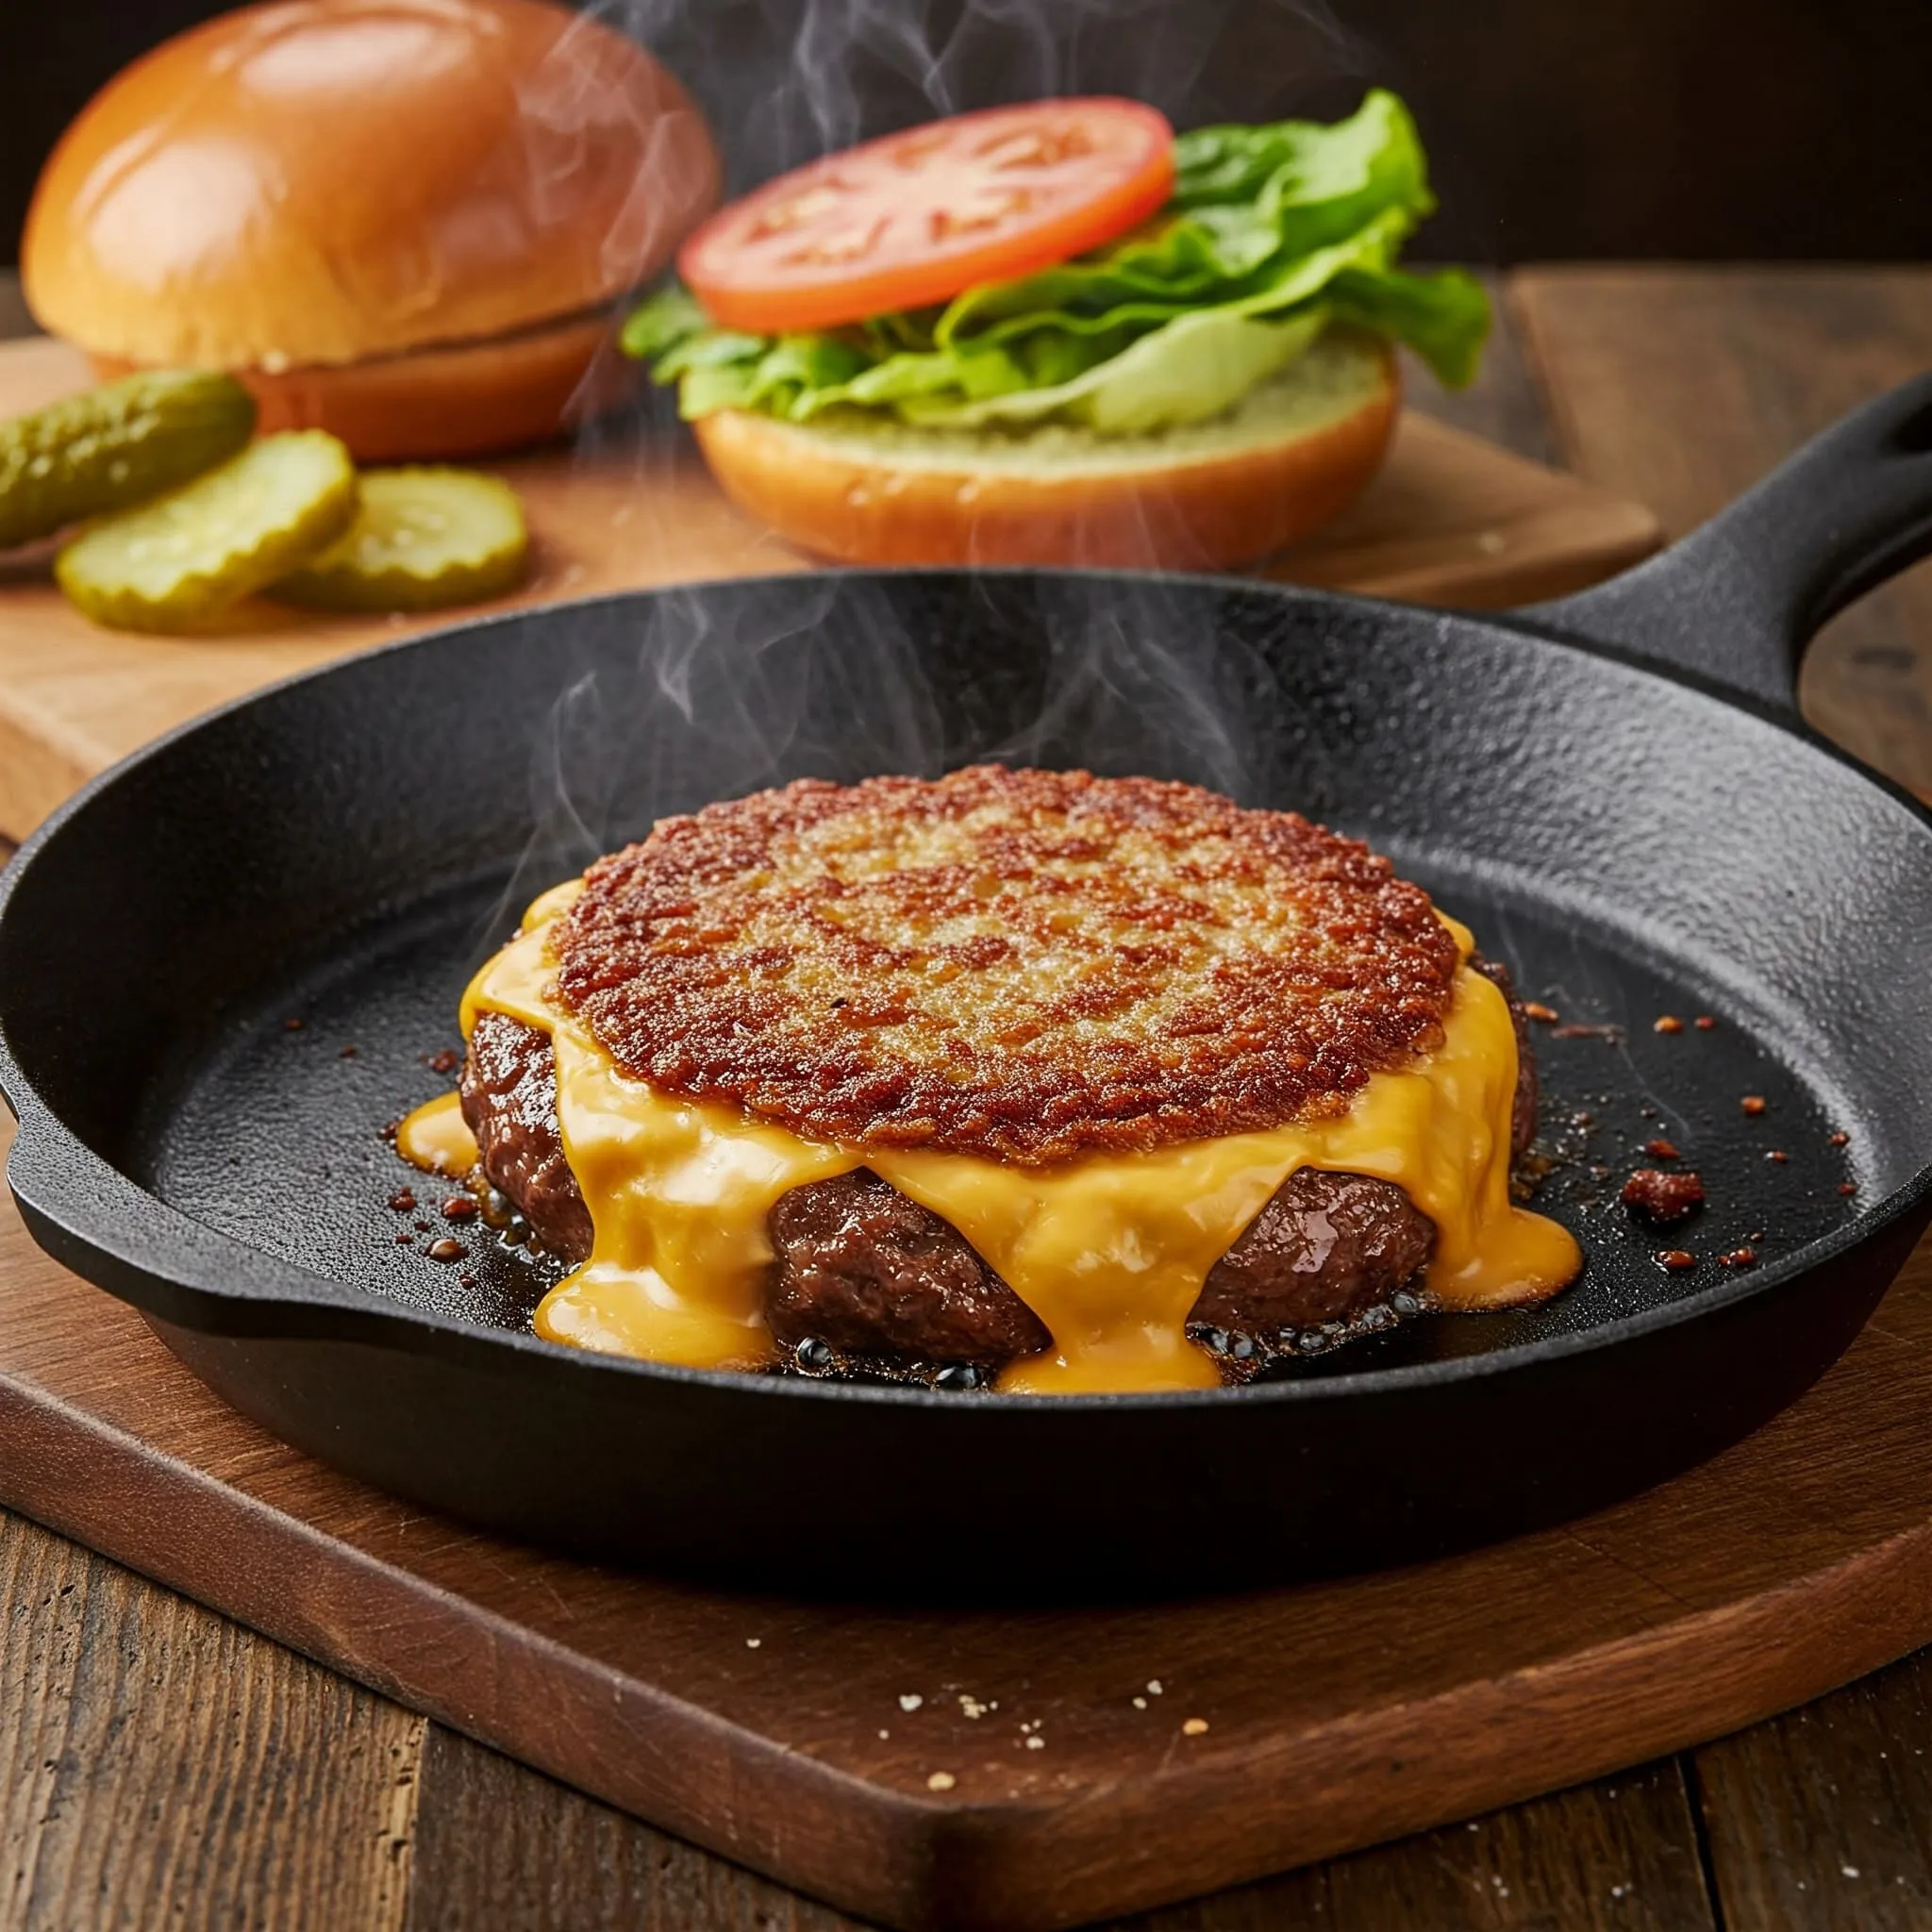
<point>1736,601</point>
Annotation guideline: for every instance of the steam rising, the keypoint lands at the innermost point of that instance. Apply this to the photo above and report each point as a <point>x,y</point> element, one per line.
<point>722,693</point>
<point>711,691</point>
<point>786,80</point>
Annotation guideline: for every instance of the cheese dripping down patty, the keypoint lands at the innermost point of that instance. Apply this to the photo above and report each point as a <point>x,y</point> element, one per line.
<point>1110,1250</point>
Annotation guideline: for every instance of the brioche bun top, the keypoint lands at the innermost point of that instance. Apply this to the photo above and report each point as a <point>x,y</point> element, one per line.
<point>319,182</point>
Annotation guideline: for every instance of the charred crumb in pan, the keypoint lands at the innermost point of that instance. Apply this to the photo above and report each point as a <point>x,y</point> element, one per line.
<point>1020,964</point>
<point>1663,1197</point>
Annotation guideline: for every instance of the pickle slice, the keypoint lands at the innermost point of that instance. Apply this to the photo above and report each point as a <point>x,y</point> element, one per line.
<point>176,561</point>
<point>423,539</point>
<point>117,445</point>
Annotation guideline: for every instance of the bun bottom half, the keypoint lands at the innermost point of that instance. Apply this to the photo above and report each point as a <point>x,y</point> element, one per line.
<point>465,399</point>
<point>1291,456</point>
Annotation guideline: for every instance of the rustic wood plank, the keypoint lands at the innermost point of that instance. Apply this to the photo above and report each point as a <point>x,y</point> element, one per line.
<point>1681,386</point>
<point>1618,1855</point>
<point>14,319</point>
<point>1823,1817</point>
<point>162,1765</point>
<point>1502,404</point>
<point>500,1846</point>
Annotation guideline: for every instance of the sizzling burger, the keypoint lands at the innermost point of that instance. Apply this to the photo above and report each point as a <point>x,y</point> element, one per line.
<point>1018,1077</point>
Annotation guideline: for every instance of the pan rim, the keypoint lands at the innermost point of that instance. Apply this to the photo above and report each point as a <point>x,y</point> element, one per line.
<point>152,1222</point>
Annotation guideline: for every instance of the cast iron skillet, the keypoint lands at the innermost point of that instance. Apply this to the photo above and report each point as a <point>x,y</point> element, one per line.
<point>1615,790</point>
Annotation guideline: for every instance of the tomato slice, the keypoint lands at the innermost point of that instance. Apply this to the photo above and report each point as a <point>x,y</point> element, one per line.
<point>916,217</point>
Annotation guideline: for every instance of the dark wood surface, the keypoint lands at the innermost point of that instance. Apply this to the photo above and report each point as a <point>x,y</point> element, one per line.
<point>884,1758</point>
<point>163,1766</point>
<point>1451,518</point>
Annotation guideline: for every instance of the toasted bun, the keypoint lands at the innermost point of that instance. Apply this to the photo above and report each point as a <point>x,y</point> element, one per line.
<point>452,402</point>
<point>1295,450</point>
<point>310,185</point>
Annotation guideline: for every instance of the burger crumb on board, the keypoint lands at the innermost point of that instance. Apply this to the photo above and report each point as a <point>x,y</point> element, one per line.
<point>1667,1023</point>
<point>1753,1104</point>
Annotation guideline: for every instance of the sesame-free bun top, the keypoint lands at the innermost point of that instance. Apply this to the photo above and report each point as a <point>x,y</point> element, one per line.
<point>318,182</point>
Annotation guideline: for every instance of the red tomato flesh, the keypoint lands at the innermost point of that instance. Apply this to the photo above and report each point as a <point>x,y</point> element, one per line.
<point>915,218</point>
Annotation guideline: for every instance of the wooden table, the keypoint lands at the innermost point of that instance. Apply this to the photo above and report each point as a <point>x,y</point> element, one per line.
<point>160,1765</point>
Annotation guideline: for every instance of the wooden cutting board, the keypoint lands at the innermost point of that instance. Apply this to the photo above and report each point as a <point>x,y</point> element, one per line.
<point>1450,519</point>
<point>969,1769</point>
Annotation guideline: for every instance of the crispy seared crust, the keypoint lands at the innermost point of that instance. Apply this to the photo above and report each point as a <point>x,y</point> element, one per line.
<point>1024,965</point>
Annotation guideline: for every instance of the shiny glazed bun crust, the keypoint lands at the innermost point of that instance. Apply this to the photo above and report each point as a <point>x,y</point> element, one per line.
<point>300,188</point>
<point>462,400</point>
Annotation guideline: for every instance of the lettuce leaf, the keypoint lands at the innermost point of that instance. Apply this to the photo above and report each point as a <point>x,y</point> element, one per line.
<point>1273,233</point>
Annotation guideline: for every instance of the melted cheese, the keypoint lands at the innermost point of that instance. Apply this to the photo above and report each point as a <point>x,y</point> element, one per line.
<point>1109,1251</point>
<point>437,1139</point>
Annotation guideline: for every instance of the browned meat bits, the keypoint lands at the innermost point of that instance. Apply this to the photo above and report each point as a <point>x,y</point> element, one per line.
<point>1663,1197</point>
<point>1021,965</point>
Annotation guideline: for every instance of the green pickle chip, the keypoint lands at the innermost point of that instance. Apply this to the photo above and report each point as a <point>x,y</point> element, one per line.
<point>120,444</point>
<point>178,560</point>
<point>422,538</point>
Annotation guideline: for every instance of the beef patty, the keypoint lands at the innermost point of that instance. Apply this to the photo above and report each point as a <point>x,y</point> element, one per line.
<point>509,1103</point>
<point>874,1276</point>
<point>1023,966</point>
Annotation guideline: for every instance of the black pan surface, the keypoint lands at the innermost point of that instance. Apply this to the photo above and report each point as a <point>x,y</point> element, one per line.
<point>1614,792</point>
